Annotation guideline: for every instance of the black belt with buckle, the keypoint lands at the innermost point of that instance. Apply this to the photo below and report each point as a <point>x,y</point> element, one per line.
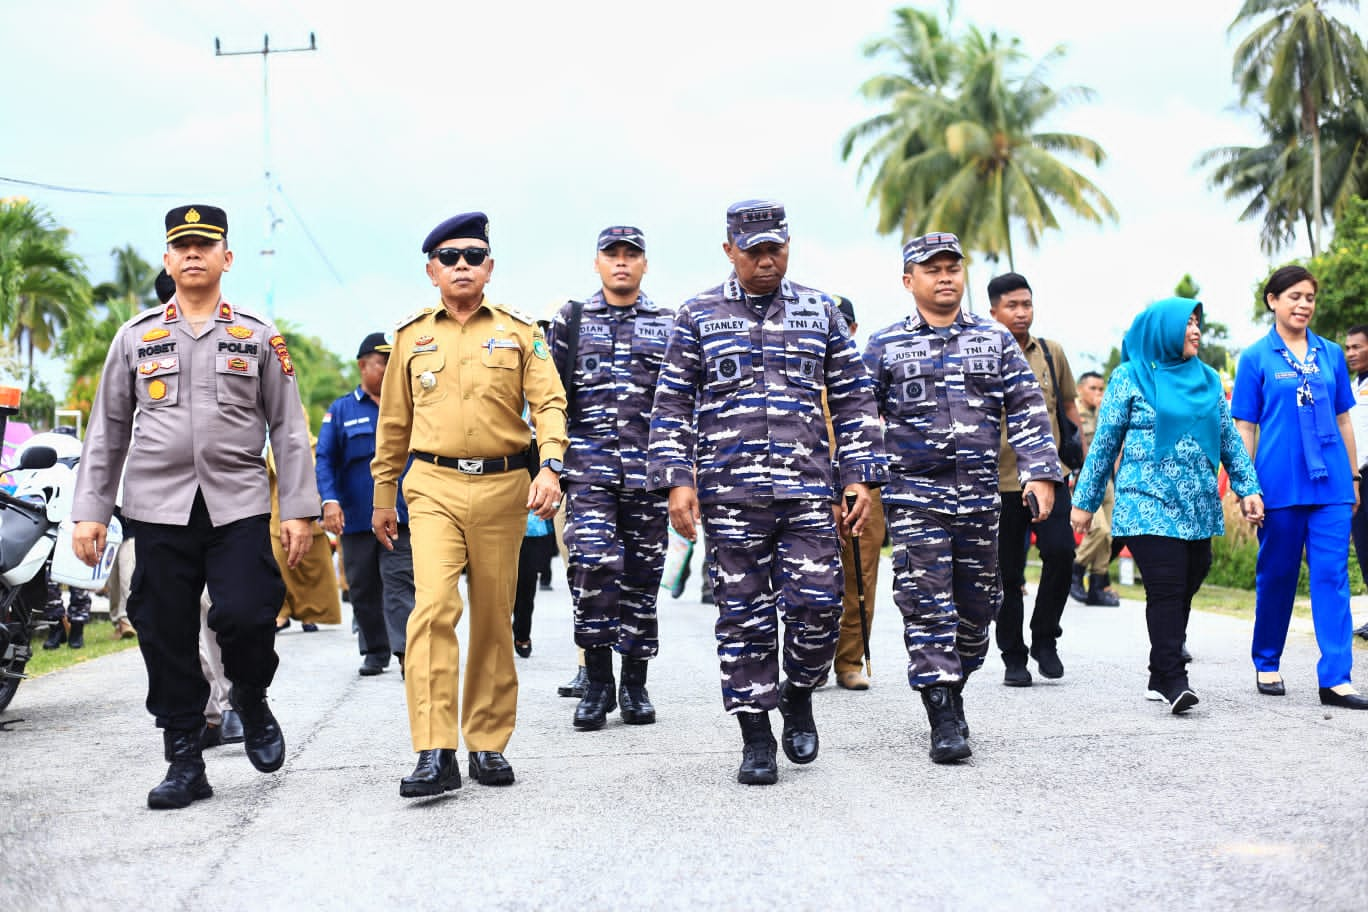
<point>475,466</point>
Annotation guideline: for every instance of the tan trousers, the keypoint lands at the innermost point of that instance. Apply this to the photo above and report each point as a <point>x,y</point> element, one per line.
<point>850,647</point>
<point>211,665</point>
<point>1094,552</point>
<point>459,520</point>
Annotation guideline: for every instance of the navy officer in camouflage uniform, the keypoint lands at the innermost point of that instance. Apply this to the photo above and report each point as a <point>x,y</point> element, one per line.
<point>944,379</point>
<point>185,400</point>
<point>615,530</point>
<point>738,433</point>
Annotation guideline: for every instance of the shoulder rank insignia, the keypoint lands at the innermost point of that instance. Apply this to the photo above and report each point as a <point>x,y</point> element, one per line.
<point>240,332</point>
<point>277,343</point>
<point>152,335</point>
<point>225,311</point>
<point>411,317</point>
<point>516,314</point>
<point>171,314</point>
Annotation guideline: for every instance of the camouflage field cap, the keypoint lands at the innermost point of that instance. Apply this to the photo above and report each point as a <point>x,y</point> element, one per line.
<point>921,249</point>
<point>622,234</point>
<point>752,222</point>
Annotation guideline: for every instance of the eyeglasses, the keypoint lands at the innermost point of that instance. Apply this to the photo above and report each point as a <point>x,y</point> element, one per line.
<point>450,256</point>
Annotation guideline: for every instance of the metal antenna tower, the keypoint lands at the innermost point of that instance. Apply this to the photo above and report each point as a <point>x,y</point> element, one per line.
<point>268,251</point>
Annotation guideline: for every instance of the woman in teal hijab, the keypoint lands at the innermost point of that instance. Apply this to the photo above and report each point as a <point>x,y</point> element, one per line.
<point>1165,414</point>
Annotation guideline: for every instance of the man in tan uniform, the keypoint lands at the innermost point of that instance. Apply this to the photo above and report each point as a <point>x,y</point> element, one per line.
<point>453,397</point>
<point>187,394</point>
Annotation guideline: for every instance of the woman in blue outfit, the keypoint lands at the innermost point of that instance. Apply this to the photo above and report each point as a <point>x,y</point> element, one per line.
<point>1293,389</point>
<point>1165,413</point>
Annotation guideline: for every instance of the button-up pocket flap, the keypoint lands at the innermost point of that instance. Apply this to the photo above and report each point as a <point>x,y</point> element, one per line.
<point>507,356</point>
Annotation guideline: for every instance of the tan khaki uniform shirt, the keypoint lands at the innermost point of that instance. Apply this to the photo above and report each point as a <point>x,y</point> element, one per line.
<point>1008,480</point>
<point>456,390</point>
<point>191,412</point>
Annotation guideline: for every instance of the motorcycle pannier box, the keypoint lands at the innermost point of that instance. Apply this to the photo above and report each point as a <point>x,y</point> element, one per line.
<point>67,568</point>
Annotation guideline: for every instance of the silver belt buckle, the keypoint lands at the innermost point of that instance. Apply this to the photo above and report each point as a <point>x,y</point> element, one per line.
<point>470,466</point>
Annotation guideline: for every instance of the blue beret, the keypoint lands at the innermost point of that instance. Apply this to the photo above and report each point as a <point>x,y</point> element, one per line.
<point>465,225</point>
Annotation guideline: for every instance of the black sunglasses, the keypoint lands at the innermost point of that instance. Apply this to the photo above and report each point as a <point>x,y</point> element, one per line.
<point>450,256</point>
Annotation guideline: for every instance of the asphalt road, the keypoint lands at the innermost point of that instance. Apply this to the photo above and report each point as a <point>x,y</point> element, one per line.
<point>1080,794</point>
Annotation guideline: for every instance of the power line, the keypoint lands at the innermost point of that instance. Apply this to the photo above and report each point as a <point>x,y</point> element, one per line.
<point>318,248</point>
<point>86,190</point>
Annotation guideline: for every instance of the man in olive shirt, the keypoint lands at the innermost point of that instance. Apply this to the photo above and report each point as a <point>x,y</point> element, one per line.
<point>453,397</point>
<point>187,394</point>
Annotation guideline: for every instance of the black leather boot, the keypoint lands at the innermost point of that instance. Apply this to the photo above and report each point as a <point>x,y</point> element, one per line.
<point>599,700</point>
<point>957,691</point>
<point>800,731</point>
<point>76,638</point>
<point>436,772</point>
<point>632,695</point>
<point>1076,590</point>
<point>573,687</point>
<point>759,765</point>
<point>185,781</point>
<point>1099,591</point>
<point>947,744</point>
<point>56,635</point>
<point>262,738</point>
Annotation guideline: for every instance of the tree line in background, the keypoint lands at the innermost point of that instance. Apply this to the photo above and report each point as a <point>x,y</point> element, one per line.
<point>48,305</point>
<point>962,145</point>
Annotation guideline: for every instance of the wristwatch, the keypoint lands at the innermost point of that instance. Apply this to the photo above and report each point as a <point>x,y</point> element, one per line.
<point>554,465</point>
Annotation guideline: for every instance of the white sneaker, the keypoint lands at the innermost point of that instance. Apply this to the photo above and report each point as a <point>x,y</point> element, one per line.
<point>1156,696</point>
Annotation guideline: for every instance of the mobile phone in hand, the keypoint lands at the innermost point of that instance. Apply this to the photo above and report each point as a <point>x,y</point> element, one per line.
<point>1033,503</point>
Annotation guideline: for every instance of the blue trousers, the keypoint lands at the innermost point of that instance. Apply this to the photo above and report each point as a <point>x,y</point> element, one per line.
<point>1324,532</point>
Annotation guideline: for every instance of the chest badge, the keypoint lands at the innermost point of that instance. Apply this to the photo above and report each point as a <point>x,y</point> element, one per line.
<point>156,390</point>
<point>423,340</point>
<point>152,335</point>
<point>427,380</point>
<point>240,332</point>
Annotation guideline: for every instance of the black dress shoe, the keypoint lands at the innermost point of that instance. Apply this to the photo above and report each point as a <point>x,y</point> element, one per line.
<point>264,741</point>
<point>1047,659</point>
<point>1271,688</point>
<point>372,665</point>
<point>1344,701</point>
<point>490,768</point>
<point>435,773</point>
<point>213,736</point>
<point>231,728</point>
<point>575,686</point>
<point>800,731</point>
<point>523,648</point>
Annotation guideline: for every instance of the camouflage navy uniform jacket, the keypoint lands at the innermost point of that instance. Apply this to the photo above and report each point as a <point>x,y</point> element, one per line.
<point>612,385</point>
<point>740,397</point>
<point>943,399</point>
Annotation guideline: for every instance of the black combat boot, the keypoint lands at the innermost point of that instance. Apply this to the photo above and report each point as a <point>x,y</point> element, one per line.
<point>632,695</point>
<point>262,738</point>
<point>800,731</point>
<point>76,638</point>
<point>759,765</point>
<point>56,635</point>
<point>957,691</point>
<point>185,781</point>
<point>1100,592</point>
<point>598,701</point>
<point>1076,590</point>
<point>573,687</point>
<point>947,744</point>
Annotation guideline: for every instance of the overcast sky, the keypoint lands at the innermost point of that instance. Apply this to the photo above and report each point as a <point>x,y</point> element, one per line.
<point>560,118</point>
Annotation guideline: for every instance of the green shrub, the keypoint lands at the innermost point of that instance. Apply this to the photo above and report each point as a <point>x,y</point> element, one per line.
<point>1234,560</point>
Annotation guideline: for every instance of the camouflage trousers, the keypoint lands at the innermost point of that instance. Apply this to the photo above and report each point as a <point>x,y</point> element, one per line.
<point>616,541</point>
<point>945,583</point>
<point>78,600</point>
<point>778,561</point>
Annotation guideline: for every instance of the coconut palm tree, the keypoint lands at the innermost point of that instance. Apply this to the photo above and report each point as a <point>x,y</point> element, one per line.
<point>961,147</point>
<point>43,288</point>
<point>1299,60</point>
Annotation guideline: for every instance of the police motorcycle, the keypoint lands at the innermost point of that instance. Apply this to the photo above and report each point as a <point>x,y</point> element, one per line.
<point>35,542</point>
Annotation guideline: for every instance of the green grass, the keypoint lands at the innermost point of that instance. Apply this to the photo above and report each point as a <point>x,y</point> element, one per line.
<point>97,643</point>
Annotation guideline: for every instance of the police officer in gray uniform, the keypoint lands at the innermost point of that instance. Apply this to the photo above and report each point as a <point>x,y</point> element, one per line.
<point>186,397</point>
<point>615,530</point>
<point>738,432</point>
<point>944,379</point>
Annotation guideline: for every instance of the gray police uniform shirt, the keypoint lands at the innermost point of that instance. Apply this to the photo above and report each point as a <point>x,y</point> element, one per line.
<point>612,386</point>
<point>942,396</point>
<point>740,399</point>
<point>197,410</point>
